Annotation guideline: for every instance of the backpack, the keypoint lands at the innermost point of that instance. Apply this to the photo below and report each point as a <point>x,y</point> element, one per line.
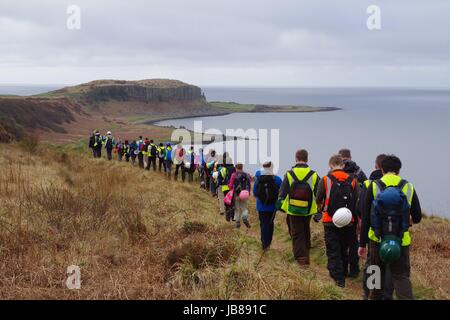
<point>300,194</point>
<point>341,195</point>
<point>162,153</point>
<point>168,154</point>
<point>242,182</point>
<point>267,189</point>
<point>153,150</point>
<point>141,146</point>
<point>181,153</point>
<point>390,211</point>
<point>109,143</point>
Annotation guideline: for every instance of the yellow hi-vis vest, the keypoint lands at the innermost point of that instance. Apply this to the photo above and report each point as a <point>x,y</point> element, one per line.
<point>223,172</point>
<point>392,180</point>
<point>301,174</point>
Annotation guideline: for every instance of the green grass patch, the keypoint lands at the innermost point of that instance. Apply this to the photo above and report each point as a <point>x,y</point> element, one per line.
<point>233,106</point>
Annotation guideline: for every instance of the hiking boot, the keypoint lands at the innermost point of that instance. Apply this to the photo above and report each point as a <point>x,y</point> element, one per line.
<point>238,225</point>
<point>222,213</point>
<point>247,224</point>
<point>340,283</point>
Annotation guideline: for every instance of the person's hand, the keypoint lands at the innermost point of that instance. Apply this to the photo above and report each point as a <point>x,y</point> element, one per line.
<point>362,252</point>
<point>317,217</point>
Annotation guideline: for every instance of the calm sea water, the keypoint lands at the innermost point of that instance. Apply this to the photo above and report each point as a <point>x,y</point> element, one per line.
<point>22,90</point>
<point>411,123</point>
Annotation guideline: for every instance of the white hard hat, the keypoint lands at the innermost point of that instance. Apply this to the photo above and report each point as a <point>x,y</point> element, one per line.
<point>342,217</point>
<point>187,165</point>
<point>215,175</point>
<point>109,132</point>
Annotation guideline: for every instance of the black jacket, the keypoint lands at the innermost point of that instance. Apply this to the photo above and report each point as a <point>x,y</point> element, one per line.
<point>415,212</point>
<point>352,168</point>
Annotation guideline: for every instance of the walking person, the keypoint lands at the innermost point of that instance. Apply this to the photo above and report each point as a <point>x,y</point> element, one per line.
<point>388,290</point>
<point>119,149</point>
<point>126,151</point>
<point>179,162</point>
<point>201,168</point>
<point>161,154</point>
<point>266,189</point>
<point>351,167</point>
<point>98,145</point>
<point>297,198</point>
<point>224,171</point>
<point>240,183</point>
<point>141,149</point>
<point>168,159</point>
<point>152,154</point>
<point>190,164</point>
<point>92,143</point>
<point>336,198</point>
<point>390,205</point>
<point>134,151</point>
<point>109,145</point>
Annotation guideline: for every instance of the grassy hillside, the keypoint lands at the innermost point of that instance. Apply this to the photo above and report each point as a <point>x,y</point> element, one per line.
<point>239,107</point>
<point>137,235</point>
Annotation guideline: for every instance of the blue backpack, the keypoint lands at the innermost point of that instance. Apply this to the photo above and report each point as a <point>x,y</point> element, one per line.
<point>390,211</point>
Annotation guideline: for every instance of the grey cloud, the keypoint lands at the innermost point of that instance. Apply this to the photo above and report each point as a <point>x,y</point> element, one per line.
<point>206,41</point>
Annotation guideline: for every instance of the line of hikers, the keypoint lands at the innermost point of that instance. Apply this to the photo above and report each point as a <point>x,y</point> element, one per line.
<point>362,217</point>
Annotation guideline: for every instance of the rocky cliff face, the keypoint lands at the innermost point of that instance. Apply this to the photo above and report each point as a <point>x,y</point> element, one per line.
<point>149,91</point>
<point>144,94</point>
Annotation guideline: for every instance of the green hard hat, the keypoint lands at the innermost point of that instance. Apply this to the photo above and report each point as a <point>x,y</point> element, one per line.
<point>390,250</point>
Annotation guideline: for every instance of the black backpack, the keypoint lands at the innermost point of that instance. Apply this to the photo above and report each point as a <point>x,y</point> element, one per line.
<point>341,195</point>
<point>242,182</point>
<point>267,189</point>
<point>153,150</point>
<point>300,194</point>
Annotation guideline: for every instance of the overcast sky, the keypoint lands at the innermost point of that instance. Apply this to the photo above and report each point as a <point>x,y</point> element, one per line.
<point>227,42</point>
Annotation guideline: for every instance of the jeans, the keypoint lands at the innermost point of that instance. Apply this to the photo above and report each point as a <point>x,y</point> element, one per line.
<point>266,225</point>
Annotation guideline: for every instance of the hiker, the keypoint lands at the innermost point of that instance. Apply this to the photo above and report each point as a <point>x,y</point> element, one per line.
<point>126,151</point>
<point>240,183</point>
<point>140,148</point>
<point>92,142</point>
<point>151,153</point>
<point>161,154</point>
<point>109,145</point>
<point>224,171</point>
<point>189,164</point>
<point>297,198</point>
<point>338,190</point>
<point>390,204</point>
<point>134,150</point>
<point>98,144</point>
<point>201,168</point>
<point>179,162</point>
<point>211,160</point>
<point>388,291</point>
<point>352,168</point>
<point>119,150</point>
<point>168,159</point>
<point>265,189</point>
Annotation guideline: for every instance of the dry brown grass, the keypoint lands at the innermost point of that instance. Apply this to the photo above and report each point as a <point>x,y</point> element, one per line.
<point>136,235</point>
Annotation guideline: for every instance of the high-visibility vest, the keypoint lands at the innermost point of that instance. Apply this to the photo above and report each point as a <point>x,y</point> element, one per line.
<point>392,180</point>
<point>340,176</point>
<point>223,172</point>
<point>301,174</point>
